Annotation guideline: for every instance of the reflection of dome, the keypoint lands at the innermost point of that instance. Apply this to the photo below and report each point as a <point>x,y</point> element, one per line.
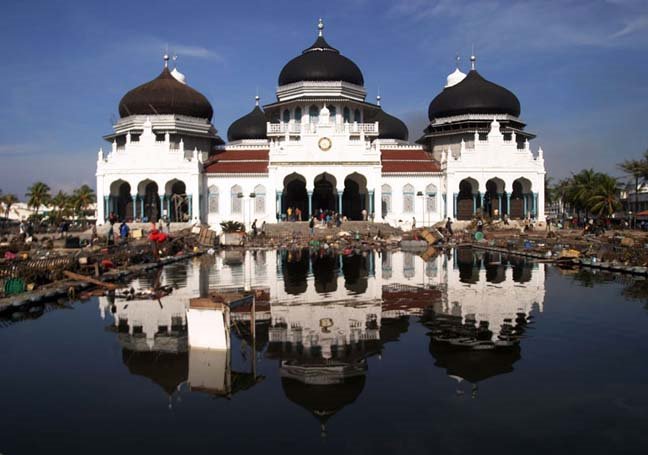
<point>474,95</point>
<point>323,401</point>
<point>165,95</point>
<point>320,62</point>
<point>168,370</point>
<point>250,126</point>
<point>474,365</point>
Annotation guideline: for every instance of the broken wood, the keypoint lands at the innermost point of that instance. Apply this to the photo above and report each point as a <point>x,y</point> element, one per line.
<point>87,279</point>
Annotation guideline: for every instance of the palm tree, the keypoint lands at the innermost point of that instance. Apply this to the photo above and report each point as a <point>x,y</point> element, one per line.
<point>8,200</point>
<point>605,198</point>
<point>582,189</point>
<point>637,169</point>
<point>37,195</point>
<point>83,197</point>
<point>61,202</point>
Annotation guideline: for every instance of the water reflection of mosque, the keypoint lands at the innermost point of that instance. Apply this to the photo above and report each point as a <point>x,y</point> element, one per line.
<point>323,315</point>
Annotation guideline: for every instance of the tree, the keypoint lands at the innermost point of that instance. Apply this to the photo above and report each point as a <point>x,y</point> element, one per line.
<point>82,198</point>
<point>8,200</point>
<point>638,170</point>
<point>38,195</point>
<point>61,203</point>
<point>605,198</point>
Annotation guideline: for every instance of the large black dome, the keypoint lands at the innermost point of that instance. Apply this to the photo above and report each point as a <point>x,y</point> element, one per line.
<point>390,127</point>
<point>165,95</point>
<point>250,126</point>
<point>321,62</point>
<point>474,95</point>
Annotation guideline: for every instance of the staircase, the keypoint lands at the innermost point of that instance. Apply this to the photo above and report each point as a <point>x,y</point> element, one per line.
<point>300,229</point>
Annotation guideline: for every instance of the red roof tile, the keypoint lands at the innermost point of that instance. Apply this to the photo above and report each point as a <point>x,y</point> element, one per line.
<point>396,161</point>
<point>238,162</point>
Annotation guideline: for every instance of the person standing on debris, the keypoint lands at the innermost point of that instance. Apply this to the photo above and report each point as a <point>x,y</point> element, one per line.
<point>254,228</point>
<point>123,232</point>
<point>111,235</point>
<point>263,229</point>
<point>364,214</point>
<point>413,222</point>
<point>93,236</point>
<point>167,219</point>
<point>480,225</point>
<point>22,229</point>
<point>448,227</point>
<point>311,225</point>
<point>289,213</point>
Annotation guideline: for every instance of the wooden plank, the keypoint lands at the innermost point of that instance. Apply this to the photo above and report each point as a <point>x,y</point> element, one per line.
<point>87,279</point>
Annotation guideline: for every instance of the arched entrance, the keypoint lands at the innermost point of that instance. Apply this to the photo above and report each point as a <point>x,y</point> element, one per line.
<point>150,208</point>
<point>176,201</point>
<point>354,196</point>
<point>493,203</point>
<point>324,193</point>
<point>467,199</point>
<point>519,198</point>
<point>121,202</point>
<point>295,195</point>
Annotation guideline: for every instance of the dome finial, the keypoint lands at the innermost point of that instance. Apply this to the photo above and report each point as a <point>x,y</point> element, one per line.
<point>473,59</point>
<point>378,100</point>
<point>175,60</point>
<point>320,27</point>
<point>256,100</point>
<point>166,60</point>
<point>457,60</point>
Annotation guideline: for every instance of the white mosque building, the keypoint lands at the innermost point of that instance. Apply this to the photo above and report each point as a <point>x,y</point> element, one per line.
<point>320,145</point>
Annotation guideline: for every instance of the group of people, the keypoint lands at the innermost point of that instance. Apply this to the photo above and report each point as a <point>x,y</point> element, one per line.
<point>255,229</point>
<point>293,214</point>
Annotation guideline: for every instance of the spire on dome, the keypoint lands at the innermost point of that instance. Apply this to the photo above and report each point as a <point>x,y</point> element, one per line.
<point>166,60</point>
<point>473,59</point>
<point>457,60</point>
<point>256,100</point>
<point>378,100</point>
<point>320,27</point>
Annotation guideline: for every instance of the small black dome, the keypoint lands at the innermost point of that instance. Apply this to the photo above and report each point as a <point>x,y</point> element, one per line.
<point>250,126</point>
<point>321,62</point>
<point>390,127</point>
<point>474,95</point>
<point>165,95</point>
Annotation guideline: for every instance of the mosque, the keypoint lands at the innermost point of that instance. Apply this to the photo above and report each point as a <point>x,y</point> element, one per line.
<point>320,145</point>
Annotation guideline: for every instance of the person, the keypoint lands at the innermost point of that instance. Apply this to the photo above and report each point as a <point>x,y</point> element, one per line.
<point>111,235</point>
<point>311,225</point>
<point>94,236</point>
<point>298,213</point>
<point>168,224</point>
<point>480,225</point>
<point>65,228</point>
<point>364,214</point>
<point>123,231</point>
<point>254,228</point>
<point>30,229</point>
<point>448,227</point>
<point>289,213</point>
<point>413,222</point>
<point>263,229</point>
<point>506,219</point>
<point>22,229</point>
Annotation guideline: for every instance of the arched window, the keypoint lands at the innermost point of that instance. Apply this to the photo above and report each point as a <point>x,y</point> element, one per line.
<point>213,199</point>
<point>356,115</point>
<point>259,199</point>
<point>332,113</point>
<point>408,198</point>
<point>298,115</point>
<point>286,116</point>
<point>347,115</point>
<point>386,200</point>
<point>313,114</point>
<point>430,196</point>
<point>237,203</point>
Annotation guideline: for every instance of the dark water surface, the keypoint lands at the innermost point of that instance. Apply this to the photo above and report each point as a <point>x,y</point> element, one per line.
<point>383,353</point>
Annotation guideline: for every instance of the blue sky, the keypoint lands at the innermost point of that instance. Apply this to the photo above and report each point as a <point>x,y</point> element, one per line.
<point>579,68</point>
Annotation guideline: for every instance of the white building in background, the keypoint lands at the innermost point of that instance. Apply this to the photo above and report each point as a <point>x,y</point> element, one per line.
<point>320,145</point>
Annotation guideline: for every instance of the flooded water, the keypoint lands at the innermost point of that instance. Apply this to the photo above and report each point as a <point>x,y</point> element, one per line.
<point>468,352</point>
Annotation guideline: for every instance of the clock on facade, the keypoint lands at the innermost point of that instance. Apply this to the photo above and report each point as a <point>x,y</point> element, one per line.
<point>324,144</point>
